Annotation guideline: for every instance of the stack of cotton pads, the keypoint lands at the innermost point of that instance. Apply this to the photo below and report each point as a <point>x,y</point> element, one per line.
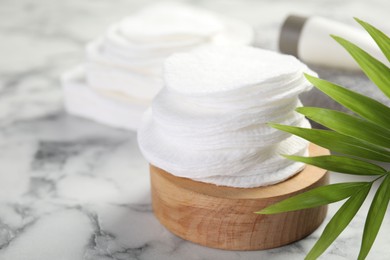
<point>126,63</point>
<point>210,121</point>
<point>84,102</point>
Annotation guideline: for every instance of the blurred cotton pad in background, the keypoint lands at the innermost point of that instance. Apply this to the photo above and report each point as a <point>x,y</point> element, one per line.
<point>209,123</point>
<point>84,102</point>
<point>123,68</point>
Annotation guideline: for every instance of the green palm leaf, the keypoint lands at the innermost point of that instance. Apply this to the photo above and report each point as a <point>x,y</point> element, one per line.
<point>339,222</point>
<point>375,217</point>
<point>366,107</point>
<point>366,137</point>
<point>339,142</point>
<point>316,197</point>
<point>341,164</point>
<point>348,125</point>
<point>374,69</point>
<point>379,37</point>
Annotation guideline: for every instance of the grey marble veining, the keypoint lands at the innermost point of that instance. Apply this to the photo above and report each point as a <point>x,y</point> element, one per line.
<point>72,189</point>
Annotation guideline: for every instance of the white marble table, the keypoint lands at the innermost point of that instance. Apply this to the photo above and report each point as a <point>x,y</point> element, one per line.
<point>72,189</point>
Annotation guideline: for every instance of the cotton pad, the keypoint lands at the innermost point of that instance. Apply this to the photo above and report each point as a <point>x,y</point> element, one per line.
<point>170,21</point>
<point>182,160</point>
<point>139,43</point>
<point>102,107</point>
<point>205,71</point>
<point>235,32</point>
<point>210,121</point>
<point>123,67</point>
<point>101,77</point>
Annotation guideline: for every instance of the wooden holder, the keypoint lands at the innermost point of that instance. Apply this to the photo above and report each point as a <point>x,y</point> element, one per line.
<point>223,217</point>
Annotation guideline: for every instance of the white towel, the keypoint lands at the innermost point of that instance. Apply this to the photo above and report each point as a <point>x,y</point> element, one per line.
<point>107,108</point>
<point>210,121</point>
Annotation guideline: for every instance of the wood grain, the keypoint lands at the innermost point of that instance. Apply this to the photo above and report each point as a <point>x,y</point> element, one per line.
<point>223,217</point>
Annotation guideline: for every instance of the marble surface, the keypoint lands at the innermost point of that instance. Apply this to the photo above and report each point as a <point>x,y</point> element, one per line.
<point>72,189</point>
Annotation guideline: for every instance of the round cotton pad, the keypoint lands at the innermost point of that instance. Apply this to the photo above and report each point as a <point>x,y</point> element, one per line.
<point>128,58</point>
<point>183,160</point>
<point>221,69</point>
<point>171,22</point>
<point>210,121</point>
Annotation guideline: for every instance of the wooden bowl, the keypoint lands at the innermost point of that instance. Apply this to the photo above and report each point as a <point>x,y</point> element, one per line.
<point>223,217</point>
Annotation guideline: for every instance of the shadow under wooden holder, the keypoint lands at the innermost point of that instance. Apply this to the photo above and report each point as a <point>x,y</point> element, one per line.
<point>223,217</point>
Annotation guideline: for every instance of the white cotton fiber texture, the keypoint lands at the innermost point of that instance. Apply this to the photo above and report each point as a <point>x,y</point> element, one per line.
<point>106,108</point>
<point>209,123</point>
<point>128,58</point>
<point>123,66</point>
